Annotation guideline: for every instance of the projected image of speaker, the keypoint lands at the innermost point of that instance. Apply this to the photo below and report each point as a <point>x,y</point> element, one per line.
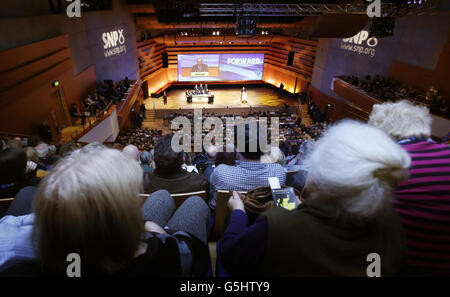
<point>381,27</point>
<point>246,26</point>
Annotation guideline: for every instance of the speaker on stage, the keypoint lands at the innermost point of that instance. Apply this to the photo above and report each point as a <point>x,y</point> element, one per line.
<point>189,99</point>
<point>211,99</point>
<point>290,58</point>
<point>165,59</point>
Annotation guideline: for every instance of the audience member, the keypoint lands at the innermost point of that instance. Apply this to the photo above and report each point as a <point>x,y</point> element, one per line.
<point>13,166</point>
<point>275,155</point>
<point>250,172</point>
<point>89,205</point>
<point>131,151</point>
<point>169,175</point>
<point>146,161</point>
<point>346,214</point>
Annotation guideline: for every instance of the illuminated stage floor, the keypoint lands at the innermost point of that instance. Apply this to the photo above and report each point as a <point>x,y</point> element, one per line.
<point>223,98</point>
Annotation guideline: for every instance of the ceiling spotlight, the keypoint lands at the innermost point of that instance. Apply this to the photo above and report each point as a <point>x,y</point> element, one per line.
<point>214,33</point>
<point>218,32</point>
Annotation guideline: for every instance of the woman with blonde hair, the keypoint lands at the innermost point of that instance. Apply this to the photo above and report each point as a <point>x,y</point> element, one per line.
<point>89,204</point>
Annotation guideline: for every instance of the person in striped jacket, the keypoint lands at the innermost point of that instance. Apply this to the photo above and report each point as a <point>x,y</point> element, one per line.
<point>422,201</point>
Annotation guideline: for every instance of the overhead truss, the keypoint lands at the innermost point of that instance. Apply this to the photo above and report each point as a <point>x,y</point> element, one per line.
<point>302,9</point>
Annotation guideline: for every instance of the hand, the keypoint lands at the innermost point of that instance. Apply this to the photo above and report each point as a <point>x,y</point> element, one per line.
<point>153,227</point>
<point>235,202</point>
<point>31,166</point>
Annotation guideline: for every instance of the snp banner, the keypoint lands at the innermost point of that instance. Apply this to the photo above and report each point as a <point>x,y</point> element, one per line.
<point>221,67</point>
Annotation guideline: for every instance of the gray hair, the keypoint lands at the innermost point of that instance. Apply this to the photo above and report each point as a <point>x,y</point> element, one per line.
<point>146,157</point>
<point>353,169</point>
<point>42,150</point>
<point>401,120</point>
<point>131,151</point>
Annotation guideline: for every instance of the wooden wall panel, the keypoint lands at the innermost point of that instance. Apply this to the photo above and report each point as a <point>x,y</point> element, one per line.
<point>340,109</point>
<point>150,56</point>
<point>25,54</point>
<point>411,75</point>
<point>425,78</point>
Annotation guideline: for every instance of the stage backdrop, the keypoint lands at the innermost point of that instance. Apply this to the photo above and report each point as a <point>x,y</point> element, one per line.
<point>220,67</point>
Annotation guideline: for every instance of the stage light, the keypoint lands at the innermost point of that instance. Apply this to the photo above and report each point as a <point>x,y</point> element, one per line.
<point>214,33</point>
<point>55,84</point>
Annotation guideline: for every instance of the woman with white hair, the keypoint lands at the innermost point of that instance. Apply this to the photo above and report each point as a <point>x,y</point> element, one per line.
<point>423,200</point>
<point>89,205</point>
<point>346,214</point>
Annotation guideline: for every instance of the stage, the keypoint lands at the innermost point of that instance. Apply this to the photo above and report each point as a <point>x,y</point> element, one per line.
<point>224,97</point>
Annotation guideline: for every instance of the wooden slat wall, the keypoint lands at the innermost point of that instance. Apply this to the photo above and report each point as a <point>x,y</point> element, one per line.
<point>305,53</point>
<point>151,54</point>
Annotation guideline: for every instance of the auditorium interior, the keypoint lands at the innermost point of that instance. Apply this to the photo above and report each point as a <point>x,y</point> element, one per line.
<point>84,82</point>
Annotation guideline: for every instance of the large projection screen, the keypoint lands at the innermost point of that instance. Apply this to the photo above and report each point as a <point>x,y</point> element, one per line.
<point>220,67</point>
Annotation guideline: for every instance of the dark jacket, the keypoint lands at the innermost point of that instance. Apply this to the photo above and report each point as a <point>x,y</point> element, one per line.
<point>308,241</point>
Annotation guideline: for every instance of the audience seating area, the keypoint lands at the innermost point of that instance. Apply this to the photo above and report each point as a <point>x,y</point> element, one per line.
<point>144,158</point>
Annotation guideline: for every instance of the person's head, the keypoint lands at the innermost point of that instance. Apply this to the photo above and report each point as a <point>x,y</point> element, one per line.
<point>166,159</point>
<point>353,169</point>
<point>51,150</point>
<point>211,151</point>
<point>89,205</point>
<point>275,155</point>
<point>246,140</point>
<point>42,149</point>
<point>146,158</point>
<point>401,120</point>
<point>3,144</point>
<point>13,162</point>
<point>65,149</point>
<point>187,159</point>
<point>32,154</point>
<point>199,61</point>
<point>131,151</point>
<point>227,158</point>
<point>305,149</point>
